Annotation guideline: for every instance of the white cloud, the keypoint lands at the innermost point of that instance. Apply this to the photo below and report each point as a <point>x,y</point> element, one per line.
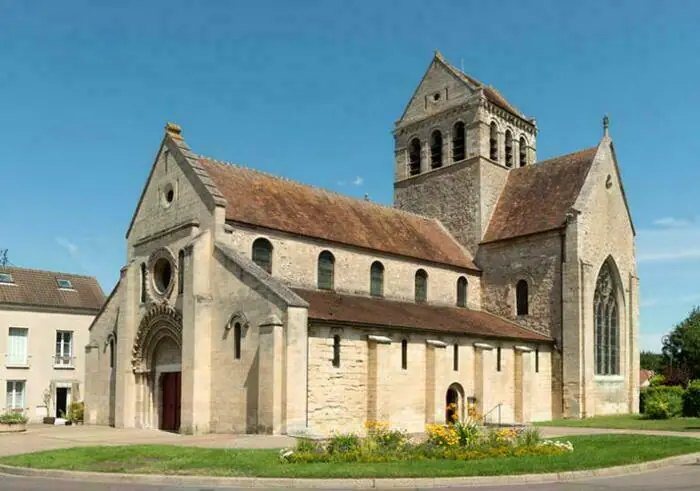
<point>670,243</point>
<point>358,181</point>
<point>340,183</point>
<point>68,245</point>
<point>672,222</point>
<point>649,302</point>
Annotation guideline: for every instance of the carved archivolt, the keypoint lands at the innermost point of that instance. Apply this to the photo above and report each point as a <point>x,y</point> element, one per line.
<point>160,322</point>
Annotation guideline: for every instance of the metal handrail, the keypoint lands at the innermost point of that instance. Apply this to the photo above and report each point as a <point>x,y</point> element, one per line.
<point>497,406</point>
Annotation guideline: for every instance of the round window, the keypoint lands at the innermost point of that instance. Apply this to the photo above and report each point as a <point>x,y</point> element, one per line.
<point>162,275</point>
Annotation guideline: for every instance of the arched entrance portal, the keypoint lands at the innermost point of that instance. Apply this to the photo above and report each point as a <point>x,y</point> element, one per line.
<point>454,404</point>
<point>157,363</point>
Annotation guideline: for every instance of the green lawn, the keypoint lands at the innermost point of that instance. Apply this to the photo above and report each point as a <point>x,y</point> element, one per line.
<point>629,422</point>
<point>590,451</point>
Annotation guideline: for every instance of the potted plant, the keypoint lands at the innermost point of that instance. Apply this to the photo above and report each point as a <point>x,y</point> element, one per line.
<point>77,412</point>
<point>48,420</point>
<point>13,421</point>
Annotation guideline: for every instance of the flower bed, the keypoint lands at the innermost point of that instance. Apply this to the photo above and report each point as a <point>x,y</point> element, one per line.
<point>457,441</point>
<point>12,422</point>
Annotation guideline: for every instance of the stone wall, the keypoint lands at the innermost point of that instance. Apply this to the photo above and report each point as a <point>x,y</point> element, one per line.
<point>100,385</point>
<point>371,383</point>
<point>295,263</point>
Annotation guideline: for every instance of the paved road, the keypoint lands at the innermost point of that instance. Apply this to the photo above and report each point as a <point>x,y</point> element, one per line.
<point>676,478</point>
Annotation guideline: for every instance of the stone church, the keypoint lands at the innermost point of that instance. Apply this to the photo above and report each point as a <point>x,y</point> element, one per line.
<point>252,303</point>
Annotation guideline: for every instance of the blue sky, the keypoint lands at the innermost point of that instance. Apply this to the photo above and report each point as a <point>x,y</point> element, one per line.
<point>310,90</point>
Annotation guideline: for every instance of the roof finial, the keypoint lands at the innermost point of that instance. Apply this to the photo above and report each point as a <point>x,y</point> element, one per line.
<point>173,130</point>
<point>437,53</point>
<point>366,197</point>
<point>606,123</point>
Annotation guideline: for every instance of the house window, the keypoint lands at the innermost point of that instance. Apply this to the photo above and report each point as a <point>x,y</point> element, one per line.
<point>455,357</point>
<point>436,149</point>
<point>181,272</point>
<point>404,354</point>
<point>143,282</point>
<point>6,278</point>
<point>326,271</point>
<point>493,142</point>
<point>462,292</point>
<point>262,254</point>
<point>376,282</point>
<point>521,298</point>
<point>15,394</point>
<point>64,348</point>
<point>421,286</point>
<point>523,152</point>
<point>237,335</point>
<point>509,149</point>
<point>17,346</point>
<point>607,328</point>
<point>336,351</point>
<point>458,142</point>
<point>63,283</point>
<point>414,157</point>
<point>498,359</point>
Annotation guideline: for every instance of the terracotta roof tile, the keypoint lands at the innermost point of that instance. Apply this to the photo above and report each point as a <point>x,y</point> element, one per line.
<point>331,306</point>
<point>263,200</point>
<point>36,288</point>
<point>537,197</point>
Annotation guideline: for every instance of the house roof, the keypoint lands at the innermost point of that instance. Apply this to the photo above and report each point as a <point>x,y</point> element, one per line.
<point>372,311</point>
<point>31,287</point>
<point>536,198</point>
<point>259,199</point>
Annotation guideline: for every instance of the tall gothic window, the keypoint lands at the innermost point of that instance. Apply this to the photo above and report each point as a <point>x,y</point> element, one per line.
<point>336,351</point>
<point>509,149</point>
<point>262,254</point>
<point>521,298</point>
<point>607,324</point>
<point>421,286</point>
<point>493,142</point>
<point>326,270</point>
<point>414,157</point>
<point>143,282</point>
<point>181,271</point>
<point>436,149</point>
<point>462,292</point>
<point>376,280</point>
<point>459,142</point>
<point>523,152</point>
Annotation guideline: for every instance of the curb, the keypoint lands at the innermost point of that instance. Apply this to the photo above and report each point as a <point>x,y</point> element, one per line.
<point>362,483</point>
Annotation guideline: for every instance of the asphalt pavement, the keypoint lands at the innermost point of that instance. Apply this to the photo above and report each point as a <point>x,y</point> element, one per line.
<point>674,478</point>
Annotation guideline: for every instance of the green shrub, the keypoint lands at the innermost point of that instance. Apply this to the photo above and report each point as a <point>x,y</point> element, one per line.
<point>672,396</point>
<point>76,411</point>
<point>691,399</point>
<point>13,418</point>
<point>343,443</point>
<point>657,408</point>
<point>657,380</point>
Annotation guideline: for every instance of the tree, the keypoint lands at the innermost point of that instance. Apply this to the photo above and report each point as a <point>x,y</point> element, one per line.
<point>649,360</point>
<point>681,348</point>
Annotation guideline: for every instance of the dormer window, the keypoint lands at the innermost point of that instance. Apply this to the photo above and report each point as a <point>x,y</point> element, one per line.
<point>6,278</point>
<point>63,283</point>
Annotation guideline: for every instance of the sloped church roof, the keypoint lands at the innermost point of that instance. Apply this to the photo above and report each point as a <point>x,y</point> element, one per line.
<point>259,199</point>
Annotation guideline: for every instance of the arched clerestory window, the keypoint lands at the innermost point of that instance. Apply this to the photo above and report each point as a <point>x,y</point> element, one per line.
<point>606,316</point>
<point>262,254</point>
<point>376,279</point>
<point>421,286</point>
<point>326,271</point>
<point>459,142</point>
<point>493,142</point>
<point>414,154</point>
<point>521,298</point>
<point>523,152</point>
<point>462,292</point>
<point>436,149</point>
<point>509,149</point>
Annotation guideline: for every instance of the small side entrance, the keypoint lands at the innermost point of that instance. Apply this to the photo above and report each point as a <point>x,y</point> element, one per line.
<point>62,401</point>
<point>454,404</point>
<point>170,401</point>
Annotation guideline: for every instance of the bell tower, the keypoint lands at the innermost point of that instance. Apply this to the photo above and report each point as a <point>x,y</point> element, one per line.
<point>455,144</point>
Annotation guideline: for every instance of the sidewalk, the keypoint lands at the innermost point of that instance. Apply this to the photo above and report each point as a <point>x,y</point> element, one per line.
<point>555,431</point>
